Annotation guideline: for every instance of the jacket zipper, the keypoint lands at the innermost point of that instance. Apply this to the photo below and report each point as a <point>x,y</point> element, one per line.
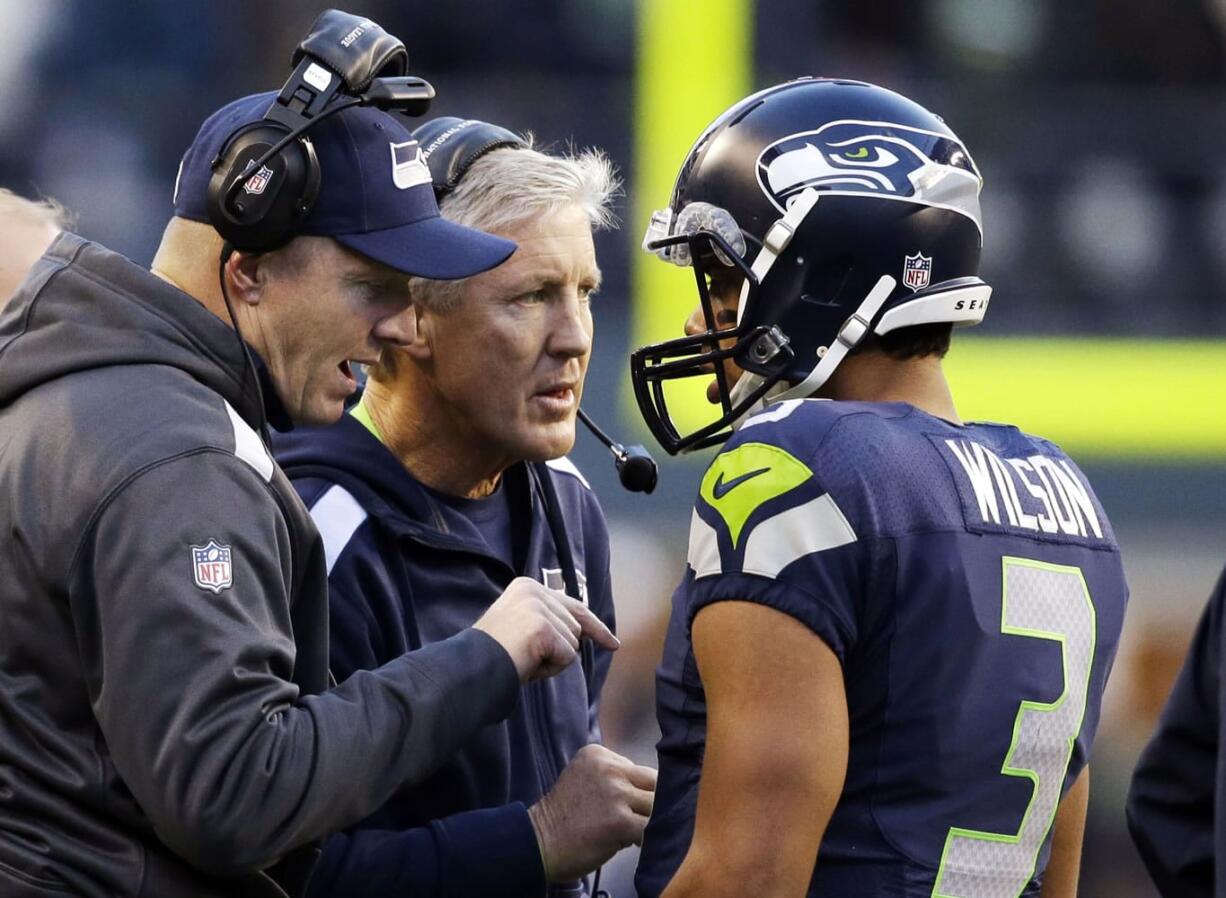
<point>539,731</point>
<point>546,766</point>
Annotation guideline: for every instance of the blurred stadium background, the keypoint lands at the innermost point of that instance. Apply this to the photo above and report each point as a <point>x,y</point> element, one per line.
<point>1097,126</point>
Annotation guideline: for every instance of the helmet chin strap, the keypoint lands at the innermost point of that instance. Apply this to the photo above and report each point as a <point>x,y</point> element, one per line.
<point>777,240</point>
<point>773,246</point>
<point>854,330</point>
<point>745,385</point>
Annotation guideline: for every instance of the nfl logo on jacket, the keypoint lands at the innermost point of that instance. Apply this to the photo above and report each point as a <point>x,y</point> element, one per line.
<point>211,566</point>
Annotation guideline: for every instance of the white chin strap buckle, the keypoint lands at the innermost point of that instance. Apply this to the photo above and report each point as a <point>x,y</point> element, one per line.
<point>854,330</point>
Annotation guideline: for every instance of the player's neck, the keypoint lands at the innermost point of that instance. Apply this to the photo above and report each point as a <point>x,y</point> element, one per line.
<point>875,377</point>
<point>432,443</point>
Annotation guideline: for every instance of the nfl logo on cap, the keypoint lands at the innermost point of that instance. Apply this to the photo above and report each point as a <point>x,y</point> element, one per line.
<point>211,566</point>
<point>916,271</point>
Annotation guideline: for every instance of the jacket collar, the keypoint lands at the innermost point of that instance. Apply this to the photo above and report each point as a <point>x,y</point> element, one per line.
<point>351,456</point>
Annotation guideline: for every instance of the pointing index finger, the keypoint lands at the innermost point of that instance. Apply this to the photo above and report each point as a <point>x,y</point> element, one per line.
<point>592,626</point>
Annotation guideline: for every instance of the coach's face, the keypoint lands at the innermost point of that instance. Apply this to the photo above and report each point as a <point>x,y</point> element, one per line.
<point>322,309</point>
<point>509,358</point>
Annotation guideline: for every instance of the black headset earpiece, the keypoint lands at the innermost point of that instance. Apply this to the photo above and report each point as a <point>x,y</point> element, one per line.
<point>266,177</point>
<point>265,212</point>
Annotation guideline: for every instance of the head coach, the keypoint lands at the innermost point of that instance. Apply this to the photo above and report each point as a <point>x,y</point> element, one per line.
<point>166,722</point>
<point>445,482</point>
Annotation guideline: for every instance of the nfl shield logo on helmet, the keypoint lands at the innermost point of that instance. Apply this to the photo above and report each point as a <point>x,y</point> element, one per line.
<point>917,271</point>
<point>211,566</point>
<point>257,183</point>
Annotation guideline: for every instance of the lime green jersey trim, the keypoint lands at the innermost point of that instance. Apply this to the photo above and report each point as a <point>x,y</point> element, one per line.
<point>362,414</point>
<point>741,480</point>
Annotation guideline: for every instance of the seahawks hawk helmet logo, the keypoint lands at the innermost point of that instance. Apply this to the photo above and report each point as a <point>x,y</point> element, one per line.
<point>881,159</point>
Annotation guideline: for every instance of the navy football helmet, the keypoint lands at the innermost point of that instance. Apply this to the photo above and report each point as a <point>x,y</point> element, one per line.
<point>846,208</point>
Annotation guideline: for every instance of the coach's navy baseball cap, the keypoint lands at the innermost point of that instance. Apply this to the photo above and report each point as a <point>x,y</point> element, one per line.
<point>375,195</point>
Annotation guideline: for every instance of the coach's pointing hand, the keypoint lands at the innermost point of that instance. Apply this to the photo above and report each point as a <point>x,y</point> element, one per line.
<point>540,628</point>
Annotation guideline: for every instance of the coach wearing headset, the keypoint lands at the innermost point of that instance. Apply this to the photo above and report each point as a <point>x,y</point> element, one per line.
<point>166,726</point>
<point>435,492</point>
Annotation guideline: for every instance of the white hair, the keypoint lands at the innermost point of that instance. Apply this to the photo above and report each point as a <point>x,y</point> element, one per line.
<point>511,185</point>
<point>15,210</point>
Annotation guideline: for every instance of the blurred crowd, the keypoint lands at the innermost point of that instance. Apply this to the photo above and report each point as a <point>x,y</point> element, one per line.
<point>1096,126</point>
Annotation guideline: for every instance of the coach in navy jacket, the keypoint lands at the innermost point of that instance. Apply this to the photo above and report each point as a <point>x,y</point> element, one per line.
<point>430,501</point>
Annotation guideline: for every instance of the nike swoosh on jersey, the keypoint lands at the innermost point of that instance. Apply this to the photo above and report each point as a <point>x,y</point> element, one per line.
<point>720,489</point>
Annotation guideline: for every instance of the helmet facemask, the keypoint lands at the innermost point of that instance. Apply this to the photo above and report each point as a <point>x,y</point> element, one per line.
<point>894,243</point>
<point>759,350</point>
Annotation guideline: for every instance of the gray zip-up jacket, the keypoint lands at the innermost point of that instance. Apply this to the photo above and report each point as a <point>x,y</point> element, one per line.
<point>166,727</point>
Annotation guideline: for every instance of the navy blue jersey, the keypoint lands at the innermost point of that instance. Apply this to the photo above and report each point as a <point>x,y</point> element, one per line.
<point>970,584</point>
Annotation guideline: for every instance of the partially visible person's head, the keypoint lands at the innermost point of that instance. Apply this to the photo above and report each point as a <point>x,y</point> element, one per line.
<point>29,226</point>
<point>335,293</point>
<point>504,354</point>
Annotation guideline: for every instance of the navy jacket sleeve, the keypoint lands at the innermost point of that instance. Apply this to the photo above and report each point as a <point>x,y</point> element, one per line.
<point>490,852</point>
<point>1177,802</point>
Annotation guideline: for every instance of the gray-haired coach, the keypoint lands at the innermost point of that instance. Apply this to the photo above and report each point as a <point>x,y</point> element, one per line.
<point>166,727</point>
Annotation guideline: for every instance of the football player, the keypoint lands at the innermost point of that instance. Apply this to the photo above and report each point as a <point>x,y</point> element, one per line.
<point>884,667</point>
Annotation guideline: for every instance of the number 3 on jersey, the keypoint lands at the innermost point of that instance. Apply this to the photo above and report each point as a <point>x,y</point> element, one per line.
<point>1043,601</point>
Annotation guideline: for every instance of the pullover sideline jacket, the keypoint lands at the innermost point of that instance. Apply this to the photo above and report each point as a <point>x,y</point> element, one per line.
<point>1177,802</point>
<point>407,570</point>
<point>165,724</point>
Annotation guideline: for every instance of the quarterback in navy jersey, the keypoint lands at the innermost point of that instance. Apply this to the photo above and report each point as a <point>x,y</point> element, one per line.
<point>885,663</point>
